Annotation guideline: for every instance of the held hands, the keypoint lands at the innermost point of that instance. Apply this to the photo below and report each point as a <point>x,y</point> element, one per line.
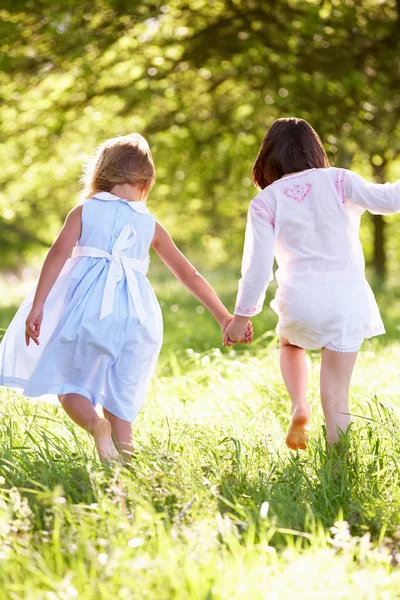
<point>33,324</point>
<point>238,330</point>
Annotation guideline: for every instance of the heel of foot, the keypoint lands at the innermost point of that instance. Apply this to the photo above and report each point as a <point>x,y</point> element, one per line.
<point>101,431</point>
<point>297,436</point>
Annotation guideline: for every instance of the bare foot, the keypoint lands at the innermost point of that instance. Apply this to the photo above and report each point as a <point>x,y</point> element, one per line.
<point>101,431</point>
<point>297,436</point>
<point>127,452</point>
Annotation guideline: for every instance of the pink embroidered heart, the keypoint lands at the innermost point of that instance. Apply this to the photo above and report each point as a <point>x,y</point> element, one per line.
<point>298,192</point>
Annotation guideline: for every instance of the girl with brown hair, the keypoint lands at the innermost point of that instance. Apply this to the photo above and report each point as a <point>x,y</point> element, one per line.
<point>307,214</point>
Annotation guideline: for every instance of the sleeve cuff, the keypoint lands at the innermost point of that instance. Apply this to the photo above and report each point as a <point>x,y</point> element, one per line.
<point>247,312</point>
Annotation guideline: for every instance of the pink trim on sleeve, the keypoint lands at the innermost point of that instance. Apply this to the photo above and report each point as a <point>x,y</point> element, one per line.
<point>241,310</point>
<point>340,175</point>
<point>263,210</point>
<point>248,310</point>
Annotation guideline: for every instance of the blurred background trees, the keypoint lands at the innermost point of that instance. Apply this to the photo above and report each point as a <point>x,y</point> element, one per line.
<point>202,80</point>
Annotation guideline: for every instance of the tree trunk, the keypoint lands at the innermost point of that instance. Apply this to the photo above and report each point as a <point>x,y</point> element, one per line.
<point>379,231</point>
<point>379,246</point>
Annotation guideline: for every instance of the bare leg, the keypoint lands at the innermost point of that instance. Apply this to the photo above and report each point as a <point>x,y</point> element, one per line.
<point>336,372</point>
<point>80,409</point>
<point>294,372</point>
<point>122,431</point>
<point>82,412</point>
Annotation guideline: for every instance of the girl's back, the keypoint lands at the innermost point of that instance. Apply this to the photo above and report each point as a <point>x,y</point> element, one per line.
<point>312,220</point>
<point>315,227</point>
<point>309,219</point>
<point>103,325</point>
<point>103,218</point>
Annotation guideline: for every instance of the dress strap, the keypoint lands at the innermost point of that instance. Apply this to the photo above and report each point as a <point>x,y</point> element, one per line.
<point>120,265</point>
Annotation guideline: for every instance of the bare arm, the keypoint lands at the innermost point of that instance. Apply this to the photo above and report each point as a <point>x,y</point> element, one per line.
<point>186,273</point>
<point>52,266</point>
<point>58,254</point>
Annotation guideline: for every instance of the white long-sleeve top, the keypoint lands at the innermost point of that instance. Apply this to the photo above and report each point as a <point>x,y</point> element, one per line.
<point>310,222</point>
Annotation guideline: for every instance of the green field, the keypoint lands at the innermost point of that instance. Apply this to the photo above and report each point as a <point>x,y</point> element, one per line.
<point>213,506</point>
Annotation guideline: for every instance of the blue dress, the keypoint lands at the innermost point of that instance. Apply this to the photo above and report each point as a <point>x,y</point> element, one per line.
<point>102,328</point>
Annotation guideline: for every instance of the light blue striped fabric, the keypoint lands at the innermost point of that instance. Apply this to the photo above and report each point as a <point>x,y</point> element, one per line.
<point>109,360</point>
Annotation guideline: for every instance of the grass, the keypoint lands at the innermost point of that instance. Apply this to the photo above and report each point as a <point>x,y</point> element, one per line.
<point>213,506</point>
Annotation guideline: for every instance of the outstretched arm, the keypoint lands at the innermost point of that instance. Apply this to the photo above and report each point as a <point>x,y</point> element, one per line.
<point>186,273</point>
<point>52,266</point>
<point>377,198</point>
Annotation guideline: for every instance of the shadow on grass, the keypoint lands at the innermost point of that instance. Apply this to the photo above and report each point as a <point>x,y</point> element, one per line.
<point>359,485</point>
<point>300,489</point>
<point>24,469</point>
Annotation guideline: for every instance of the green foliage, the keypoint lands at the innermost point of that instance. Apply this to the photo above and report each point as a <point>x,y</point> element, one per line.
<point>201,80</point>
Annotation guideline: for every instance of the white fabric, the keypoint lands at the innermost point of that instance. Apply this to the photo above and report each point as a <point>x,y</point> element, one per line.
<point>139,207</point>
<point>257,264</point>
<point>119,264</point>
<point>310,222</point>
<point>17,360</point>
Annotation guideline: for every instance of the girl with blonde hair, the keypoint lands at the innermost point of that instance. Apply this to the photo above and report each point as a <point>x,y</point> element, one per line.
<point>94,318</point>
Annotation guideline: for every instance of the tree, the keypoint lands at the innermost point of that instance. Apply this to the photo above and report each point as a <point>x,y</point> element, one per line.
<point>201,80</point>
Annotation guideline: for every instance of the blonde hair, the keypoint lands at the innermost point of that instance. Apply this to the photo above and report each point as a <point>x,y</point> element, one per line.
<point>119,160</point>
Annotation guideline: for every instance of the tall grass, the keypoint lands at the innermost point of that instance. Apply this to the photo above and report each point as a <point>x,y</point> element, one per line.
<point>213,505</point>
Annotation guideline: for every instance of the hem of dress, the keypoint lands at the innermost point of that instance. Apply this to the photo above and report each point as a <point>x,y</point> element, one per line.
<point>369,333</point>
<point>20,385</point>
<point>347,351</point>
<point>13,382</point>
<point>374,331</point>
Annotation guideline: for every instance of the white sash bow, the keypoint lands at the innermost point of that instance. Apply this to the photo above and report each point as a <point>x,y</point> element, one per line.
<point>120,265</point>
